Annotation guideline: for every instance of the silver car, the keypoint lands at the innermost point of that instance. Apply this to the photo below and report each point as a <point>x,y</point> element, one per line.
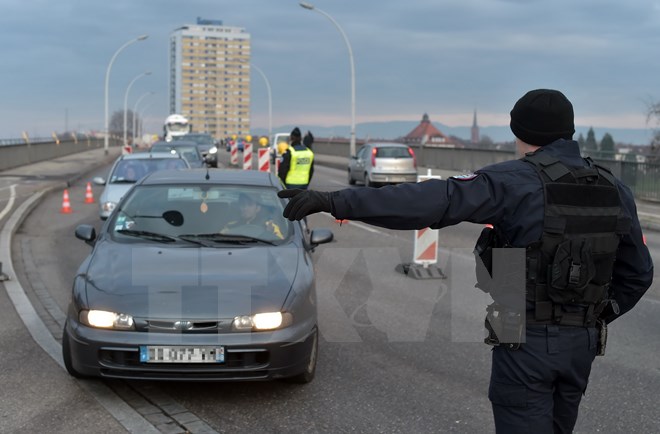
<point>196,276</point>
<point>383,163</point>
<point>130,168</point>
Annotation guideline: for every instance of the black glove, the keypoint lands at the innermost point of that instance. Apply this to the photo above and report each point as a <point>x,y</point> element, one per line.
<point>304,202</point>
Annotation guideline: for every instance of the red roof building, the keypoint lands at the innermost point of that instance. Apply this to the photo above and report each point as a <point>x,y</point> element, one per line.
<point>426,134</point>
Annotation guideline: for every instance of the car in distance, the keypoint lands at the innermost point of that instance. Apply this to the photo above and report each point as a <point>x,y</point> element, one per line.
<point>127,170</point>
<point>178,287</point>
<point>187,149</point>
<point>383,163</point>
<point>280,142</point>
<point>206,144</point>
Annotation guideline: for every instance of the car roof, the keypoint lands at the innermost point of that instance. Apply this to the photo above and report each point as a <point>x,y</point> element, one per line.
<point>390,145</point>
<point>215,176</point>
<point>149,155</point>
<point>174,143</point>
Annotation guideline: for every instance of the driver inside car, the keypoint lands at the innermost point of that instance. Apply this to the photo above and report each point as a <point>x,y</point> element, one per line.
<point>252,214</point>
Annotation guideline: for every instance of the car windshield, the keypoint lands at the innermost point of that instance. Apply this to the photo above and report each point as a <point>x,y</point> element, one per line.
<point>200,139</point>
<point>188,152</point>
<point>212,216</point>
<point>393,152</point>
<point>130,171</point>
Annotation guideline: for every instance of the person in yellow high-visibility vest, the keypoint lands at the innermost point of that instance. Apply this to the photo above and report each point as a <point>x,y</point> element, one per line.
<point>297,163</point>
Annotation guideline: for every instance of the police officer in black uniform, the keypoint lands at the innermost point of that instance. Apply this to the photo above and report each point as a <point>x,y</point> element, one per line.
<point>586,262</point>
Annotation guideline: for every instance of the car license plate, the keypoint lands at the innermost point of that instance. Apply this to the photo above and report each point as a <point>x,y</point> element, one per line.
<point>164,354</point>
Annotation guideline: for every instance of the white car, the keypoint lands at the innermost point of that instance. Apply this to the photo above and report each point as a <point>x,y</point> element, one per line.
<point>130,168</point>
<point>274,149</point>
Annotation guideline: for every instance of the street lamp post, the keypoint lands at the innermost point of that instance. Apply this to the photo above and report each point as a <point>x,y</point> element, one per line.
<point>270,101</point>
<point>311,7</point>
<point>135,111</point>
<point>128,89</point>
<point>142,116</point>
<point>107,83</point>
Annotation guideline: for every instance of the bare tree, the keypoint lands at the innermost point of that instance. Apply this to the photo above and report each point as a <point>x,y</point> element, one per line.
<point>117,123</point>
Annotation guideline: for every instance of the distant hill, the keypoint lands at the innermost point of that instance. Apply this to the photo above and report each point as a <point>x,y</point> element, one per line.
<point>396,129</point>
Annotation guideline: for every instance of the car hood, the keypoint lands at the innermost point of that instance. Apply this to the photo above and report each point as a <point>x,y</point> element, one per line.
<point>189,282</point>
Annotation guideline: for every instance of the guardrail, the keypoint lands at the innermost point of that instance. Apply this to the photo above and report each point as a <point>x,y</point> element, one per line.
<point>19,154</point>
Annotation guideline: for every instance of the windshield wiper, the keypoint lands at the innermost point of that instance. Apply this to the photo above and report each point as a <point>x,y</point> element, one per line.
<point>148,235</point>
<point>123,181</point>
<point>226,238</point>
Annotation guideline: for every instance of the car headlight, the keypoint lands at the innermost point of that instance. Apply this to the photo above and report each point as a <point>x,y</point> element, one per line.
<point>108,206</point>
<point>106,320</point>
<point>213,150</point>
<point>262,321</point>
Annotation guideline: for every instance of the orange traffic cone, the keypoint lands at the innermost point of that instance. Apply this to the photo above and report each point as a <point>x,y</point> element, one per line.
<point>66,204</point>
<point>89,195</point>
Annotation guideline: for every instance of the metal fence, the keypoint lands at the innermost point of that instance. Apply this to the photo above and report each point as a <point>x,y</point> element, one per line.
<point>642,178</point>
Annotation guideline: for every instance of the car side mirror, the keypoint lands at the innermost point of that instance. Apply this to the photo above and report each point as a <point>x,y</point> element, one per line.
<point>175,218</point>
<point>98,180</point>
<point>320,236</point>
<point>87,233</point>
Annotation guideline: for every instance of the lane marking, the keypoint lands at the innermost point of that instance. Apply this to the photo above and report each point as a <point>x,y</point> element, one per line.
<point>10,202</point>
<point>120,410</point>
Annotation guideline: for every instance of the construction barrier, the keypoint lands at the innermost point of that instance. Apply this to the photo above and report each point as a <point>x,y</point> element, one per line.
<point>66,203</point>
<point>233,148</point>
<point>264,160</point>
<point>247,156</point>
<point>89,194</point>
<point>126,149</point>
<point>425,253</point>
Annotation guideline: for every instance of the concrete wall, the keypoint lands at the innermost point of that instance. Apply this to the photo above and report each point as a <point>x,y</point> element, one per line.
<point>18,155</point>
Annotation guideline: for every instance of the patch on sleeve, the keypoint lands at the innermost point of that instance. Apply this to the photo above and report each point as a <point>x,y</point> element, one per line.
<point>464,177</point>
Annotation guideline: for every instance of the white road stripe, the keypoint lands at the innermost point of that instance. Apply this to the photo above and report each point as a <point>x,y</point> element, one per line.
<point>10,202</point>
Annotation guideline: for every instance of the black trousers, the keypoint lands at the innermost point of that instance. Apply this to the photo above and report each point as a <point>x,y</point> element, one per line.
<point>538,387</point>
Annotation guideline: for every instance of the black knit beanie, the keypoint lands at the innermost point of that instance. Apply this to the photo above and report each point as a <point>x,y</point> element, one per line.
<point>295,132</point>
<point>542,116</point>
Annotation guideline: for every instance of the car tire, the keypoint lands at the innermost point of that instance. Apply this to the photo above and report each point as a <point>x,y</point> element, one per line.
<point>66,355</point>
<point>351,181</point>
<point>368,182</point>
<point>310,368</point>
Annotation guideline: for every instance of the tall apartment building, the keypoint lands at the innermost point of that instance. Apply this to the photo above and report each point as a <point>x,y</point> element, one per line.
<point>210,77</point>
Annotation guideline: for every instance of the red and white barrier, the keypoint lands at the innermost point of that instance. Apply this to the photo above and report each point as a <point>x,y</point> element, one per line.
<point>126,149</point>
<point>426,240</point>
<point>233,148</point>
<point>264,160</point>
<point>247,156</point>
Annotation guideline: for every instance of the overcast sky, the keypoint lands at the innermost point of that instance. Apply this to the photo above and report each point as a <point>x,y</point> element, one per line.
<point>443,57</point>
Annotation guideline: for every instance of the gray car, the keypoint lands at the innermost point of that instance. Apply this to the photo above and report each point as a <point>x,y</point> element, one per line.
<point>383,163</point>
<point>184,282</point>
<point>128,169</point>
<point>187,148</point>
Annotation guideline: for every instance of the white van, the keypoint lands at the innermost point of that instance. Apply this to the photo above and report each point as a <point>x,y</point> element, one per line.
<point>277,139</point>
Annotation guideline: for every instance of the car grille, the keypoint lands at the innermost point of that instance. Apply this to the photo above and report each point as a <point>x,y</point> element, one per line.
<point>246,363</point>
<point>184,326</point>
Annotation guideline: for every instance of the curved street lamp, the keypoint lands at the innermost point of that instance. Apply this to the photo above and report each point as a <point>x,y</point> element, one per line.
<point>107,83</point>
<point>270,101</point>
<point>128,89</point>
<point>135,111</point>
<point>311,7</point>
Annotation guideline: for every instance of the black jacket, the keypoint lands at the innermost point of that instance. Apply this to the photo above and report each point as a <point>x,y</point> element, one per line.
<point>508,195</point>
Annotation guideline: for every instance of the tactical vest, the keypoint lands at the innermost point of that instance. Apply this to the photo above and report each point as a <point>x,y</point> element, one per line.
<point>571,265</point>
<point>300,166</point>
